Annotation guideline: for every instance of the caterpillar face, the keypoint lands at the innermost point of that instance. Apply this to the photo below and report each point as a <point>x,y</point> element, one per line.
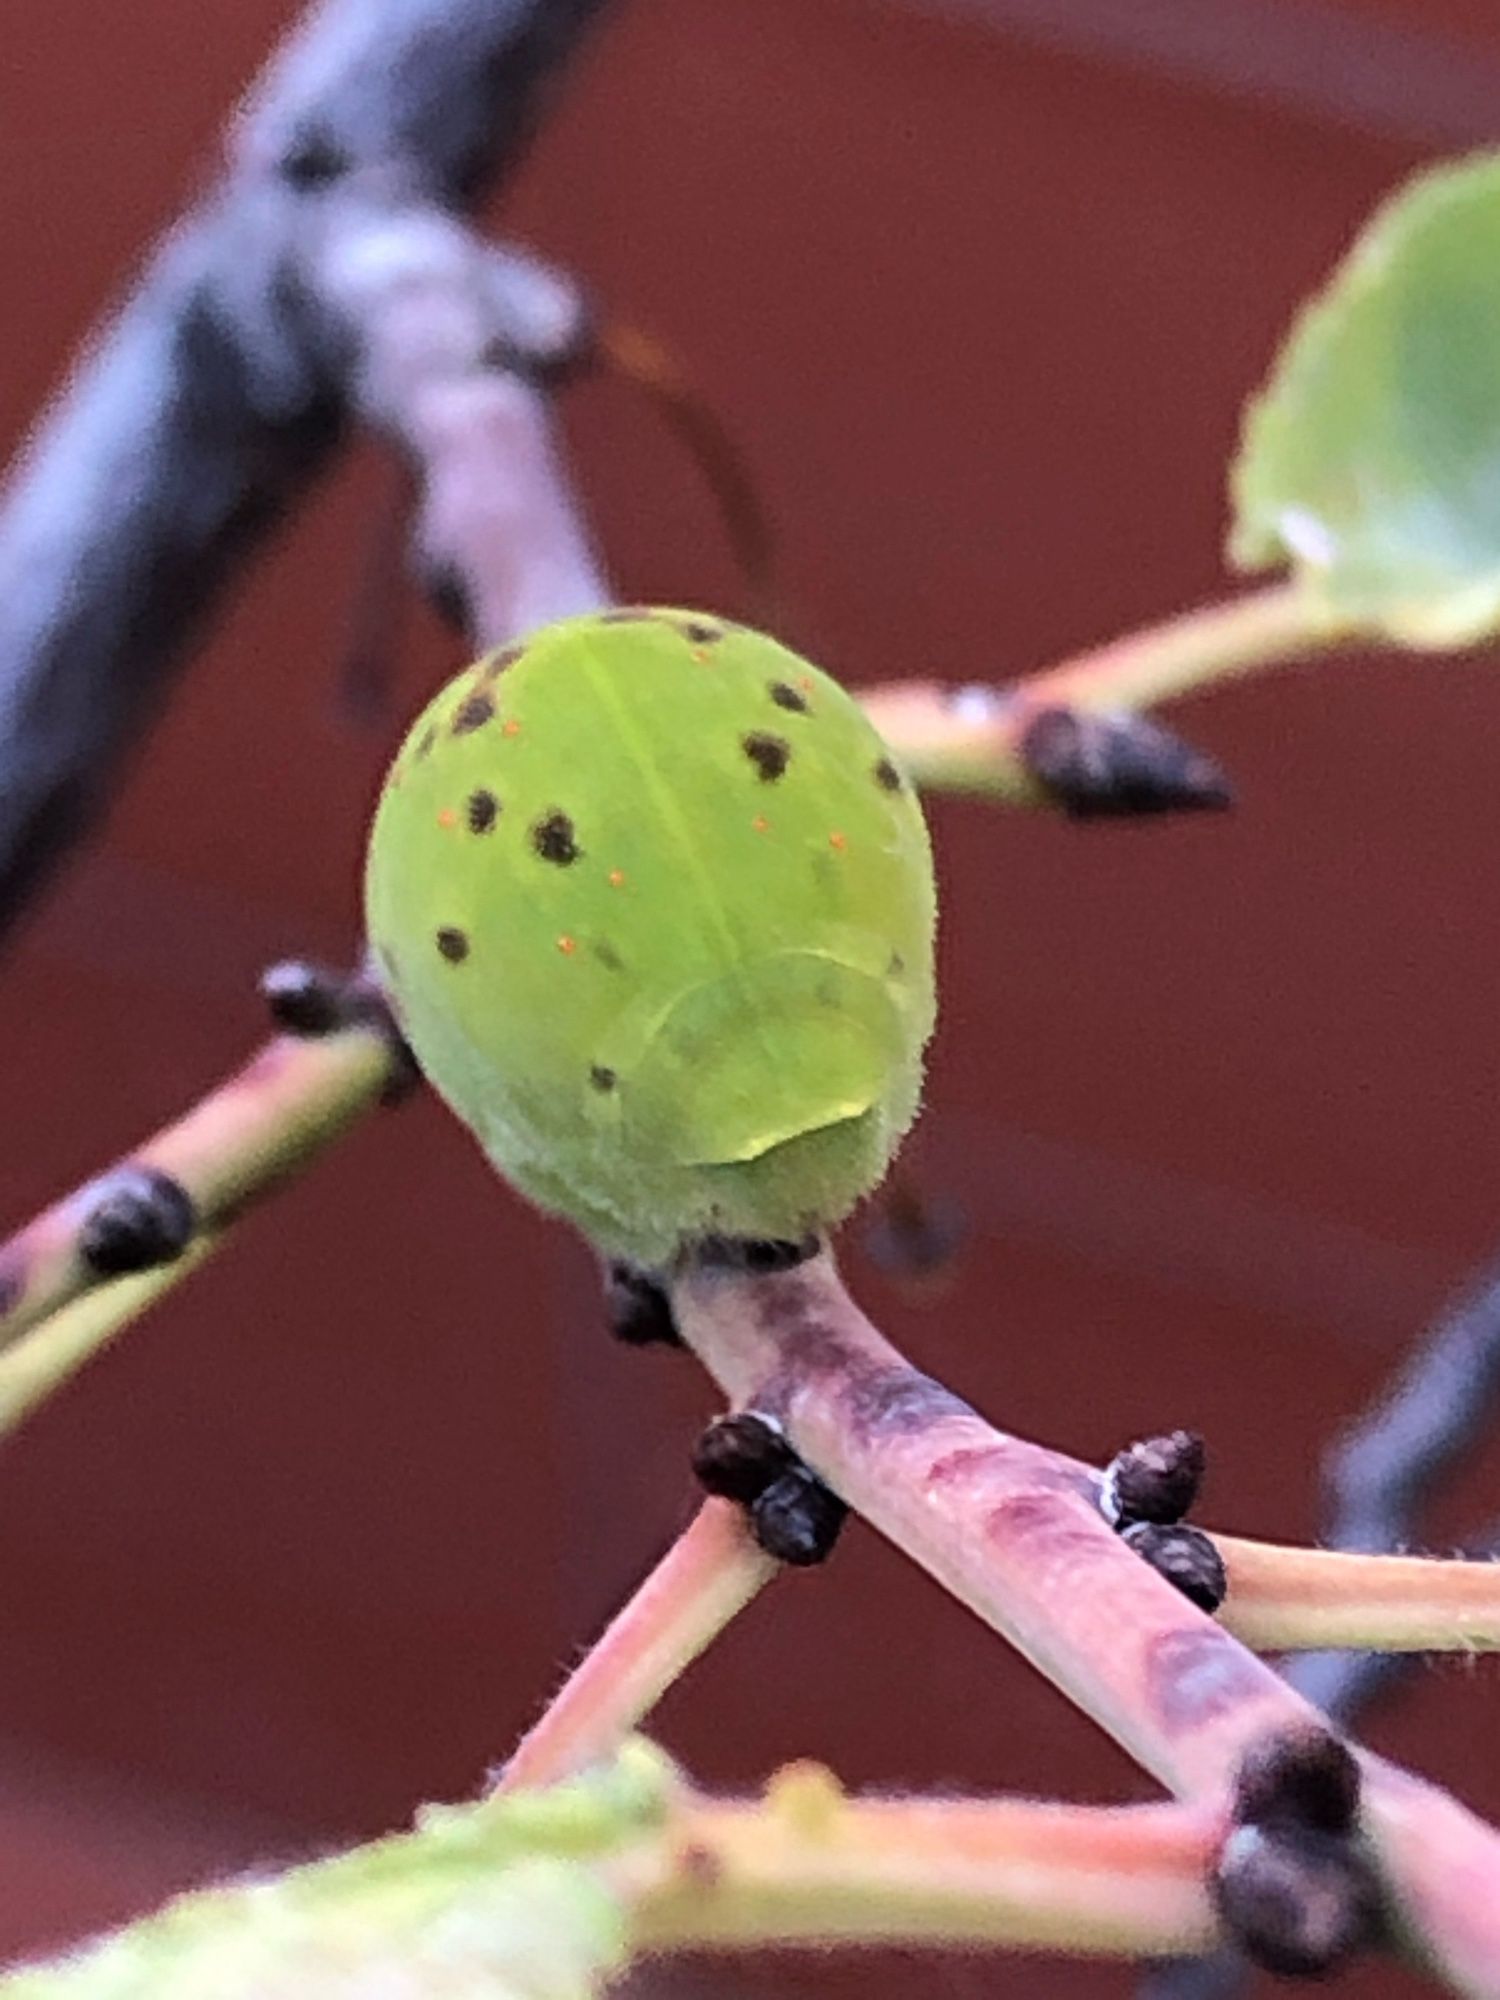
<point>654,906</point>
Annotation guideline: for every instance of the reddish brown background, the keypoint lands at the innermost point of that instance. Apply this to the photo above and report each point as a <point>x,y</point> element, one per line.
<point>1218,1098</point>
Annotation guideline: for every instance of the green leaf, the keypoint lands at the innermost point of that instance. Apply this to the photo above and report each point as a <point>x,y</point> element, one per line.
<point>1371,459</point>
<point>508,1899</point>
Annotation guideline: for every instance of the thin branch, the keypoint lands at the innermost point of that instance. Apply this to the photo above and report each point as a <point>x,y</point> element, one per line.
<point>813,1866</point>
<point>243,1139</point>
<point>1014,1532</point>
<point>708,1576</point>
<point>197,417</point>
<point>955,738</point>
<point>1297,1600</point>
<point>422,304</point>
<point>42,1361</point>
<point>1383,1469</point>
<point>1246,634</point>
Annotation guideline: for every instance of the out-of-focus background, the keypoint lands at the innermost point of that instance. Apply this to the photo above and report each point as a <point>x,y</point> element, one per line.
<point>979,287</point>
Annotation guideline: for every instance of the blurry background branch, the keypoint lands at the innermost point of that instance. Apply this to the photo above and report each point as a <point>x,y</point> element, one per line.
<point>327,273</point>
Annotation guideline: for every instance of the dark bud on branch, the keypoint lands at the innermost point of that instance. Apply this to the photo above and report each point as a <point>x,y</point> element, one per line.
<point>637,1307</point>
<point>1154,1479</point>
<point>1118,766</point>
<point>1301,1777</point>
<point>1292,1884</point>
<point>305,999</point>
<point>797,1518</point>
<point>1185,1557</point>
<point>1300,1904</point>
<point>138,1217</point>
<point>740,1455</point>
<point>310,1001</point>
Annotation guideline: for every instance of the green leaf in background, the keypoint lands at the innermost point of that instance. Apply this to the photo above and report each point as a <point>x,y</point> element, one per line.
<point>508,1899</point>
<point>1371,459</point>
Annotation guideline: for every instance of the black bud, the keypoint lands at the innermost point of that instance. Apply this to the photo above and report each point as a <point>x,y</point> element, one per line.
<point>1154,1479</point>
<point>304,999</point>
<point>744,1253</point>
<point>637,1307</point>
<point>1298,1903</point>
<point>139,1217</point>
<point>797,1518</point>
<point>1185,1557</point>
<point>1118,766</point>
<point>739,1455</point>
<point>1299,1778</point>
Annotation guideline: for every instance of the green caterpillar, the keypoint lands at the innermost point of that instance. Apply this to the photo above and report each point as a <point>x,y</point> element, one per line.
<point>654,906</point>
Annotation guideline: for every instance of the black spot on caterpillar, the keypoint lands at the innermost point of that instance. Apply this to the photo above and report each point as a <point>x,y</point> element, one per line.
<point>552,837</point>
<point>473,713</point>
<point>483,810</point>
<point>769,754</point>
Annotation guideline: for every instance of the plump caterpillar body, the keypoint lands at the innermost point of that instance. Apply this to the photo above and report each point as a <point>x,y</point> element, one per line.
<point>654,906</point>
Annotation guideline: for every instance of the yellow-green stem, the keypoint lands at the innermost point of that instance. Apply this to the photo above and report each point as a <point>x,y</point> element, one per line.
<point>810,1866</point>
<point>53,1352</point>
<point>1262,628</point>
<point>1300,1600</point>
<point>954,738</point>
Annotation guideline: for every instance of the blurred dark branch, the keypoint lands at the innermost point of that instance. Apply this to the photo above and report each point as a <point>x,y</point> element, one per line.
<point>1377,1478</point>
<point>326,275</point>
<point>1385,1466</point>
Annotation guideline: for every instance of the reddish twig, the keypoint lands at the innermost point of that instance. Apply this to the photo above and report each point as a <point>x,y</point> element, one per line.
<point>232,1148</point>
<point>705,1579</point>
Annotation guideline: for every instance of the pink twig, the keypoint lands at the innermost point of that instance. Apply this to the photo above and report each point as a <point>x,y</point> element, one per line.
<point>709,1574</point>
<point>258,1129</point>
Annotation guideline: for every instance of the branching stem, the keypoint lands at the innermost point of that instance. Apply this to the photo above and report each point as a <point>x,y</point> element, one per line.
<point>1014,1532</point>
